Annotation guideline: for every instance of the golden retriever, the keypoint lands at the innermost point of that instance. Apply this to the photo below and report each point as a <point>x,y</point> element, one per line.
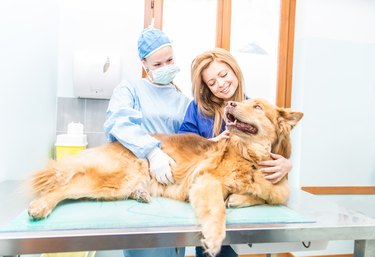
<point>210,175</point>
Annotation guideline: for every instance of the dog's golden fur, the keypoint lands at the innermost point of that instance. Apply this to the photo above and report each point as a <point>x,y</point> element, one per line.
<point>210,175</point>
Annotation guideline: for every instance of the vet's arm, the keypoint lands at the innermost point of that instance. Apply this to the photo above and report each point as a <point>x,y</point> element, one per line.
<point>277,168</point>
<point>124,120</point>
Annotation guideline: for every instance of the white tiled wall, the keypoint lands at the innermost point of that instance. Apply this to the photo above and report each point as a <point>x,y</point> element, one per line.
<point>89,112</point>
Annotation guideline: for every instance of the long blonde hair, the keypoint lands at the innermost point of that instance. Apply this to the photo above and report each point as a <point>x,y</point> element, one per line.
<point>208,103</point>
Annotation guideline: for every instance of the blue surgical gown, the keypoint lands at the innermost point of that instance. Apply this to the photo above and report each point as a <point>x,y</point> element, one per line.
<point>139,108</point>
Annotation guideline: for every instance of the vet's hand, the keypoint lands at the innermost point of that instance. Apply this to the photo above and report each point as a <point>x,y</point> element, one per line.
<point>276,168</point>
<point>224,134</point>
<point>160,166</point>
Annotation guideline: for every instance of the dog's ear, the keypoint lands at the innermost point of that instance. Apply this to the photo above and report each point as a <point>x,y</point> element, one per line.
<point>286,121</point>
<point>289,117</point>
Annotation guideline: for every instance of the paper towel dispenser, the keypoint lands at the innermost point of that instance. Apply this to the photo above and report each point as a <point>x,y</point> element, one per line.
<point>96,73</point>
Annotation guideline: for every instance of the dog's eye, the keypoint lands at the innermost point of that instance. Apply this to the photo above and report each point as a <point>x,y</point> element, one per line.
<point>258,107</point>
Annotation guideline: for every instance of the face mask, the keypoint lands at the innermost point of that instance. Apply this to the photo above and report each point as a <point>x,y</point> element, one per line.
<point>165,74</point>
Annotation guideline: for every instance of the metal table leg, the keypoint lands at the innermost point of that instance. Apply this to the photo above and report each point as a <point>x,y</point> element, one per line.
<point>364,248</point>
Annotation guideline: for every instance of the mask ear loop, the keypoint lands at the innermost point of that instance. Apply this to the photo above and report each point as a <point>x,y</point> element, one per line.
<point>147,72</point>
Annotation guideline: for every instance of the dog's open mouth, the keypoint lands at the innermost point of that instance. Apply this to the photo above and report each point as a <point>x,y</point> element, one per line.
<point>245,127</point>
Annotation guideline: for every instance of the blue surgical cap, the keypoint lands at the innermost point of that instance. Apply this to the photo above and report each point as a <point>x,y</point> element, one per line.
<point>150,40</point>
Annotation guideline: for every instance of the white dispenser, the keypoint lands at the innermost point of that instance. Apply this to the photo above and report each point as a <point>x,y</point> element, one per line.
<point>96,73</point>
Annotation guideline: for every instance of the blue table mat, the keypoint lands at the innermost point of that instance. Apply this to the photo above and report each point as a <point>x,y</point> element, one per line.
<point>86,214</point>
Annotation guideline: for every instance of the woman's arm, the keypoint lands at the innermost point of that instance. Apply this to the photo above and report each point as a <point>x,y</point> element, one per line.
<point>190,122</point>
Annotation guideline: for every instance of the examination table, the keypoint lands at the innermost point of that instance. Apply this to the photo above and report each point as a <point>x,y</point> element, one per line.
<point>94,225</point>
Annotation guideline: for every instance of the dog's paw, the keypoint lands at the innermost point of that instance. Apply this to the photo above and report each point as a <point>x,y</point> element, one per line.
<point>237,201</point>
<point>39,209</point>
<point>141,196</point>
<point>213,237</point>
<point>211,246</point>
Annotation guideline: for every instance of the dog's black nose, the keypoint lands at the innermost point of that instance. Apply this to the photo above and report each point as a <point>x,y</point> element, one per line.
<point>233,104</point>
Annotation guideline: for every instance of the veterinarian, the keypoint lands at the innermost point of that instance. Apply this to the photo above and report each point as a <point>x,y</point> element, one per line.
<point>138,108</point>
<point>216,79</point>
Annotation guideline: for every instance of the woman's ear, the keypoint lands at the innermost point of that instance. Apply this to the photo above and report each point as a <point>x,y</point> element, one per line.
<point>144,64</point>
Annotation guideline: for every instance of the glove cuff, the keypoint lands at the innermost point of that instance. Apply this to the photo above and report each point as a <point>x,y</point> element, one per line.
<point>153,152</point>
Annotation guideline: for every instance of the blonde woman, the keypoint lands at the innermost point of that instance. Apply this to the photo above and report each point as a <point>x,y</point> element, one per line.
<point>216,79</point>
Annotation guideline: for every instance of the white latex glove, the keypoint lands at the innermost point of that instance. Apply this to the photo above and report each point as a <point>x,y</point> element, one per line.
<point>159,166</point>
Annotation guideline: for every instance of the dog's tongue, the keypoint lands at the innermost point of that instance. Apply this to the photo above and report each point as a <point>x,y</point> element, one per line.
<point>246,127</point>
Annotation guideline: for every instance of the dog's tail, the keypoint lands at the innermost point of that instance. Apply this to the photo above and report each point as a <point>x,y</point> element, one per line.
<point>54,176</point>
<point>47,179</point>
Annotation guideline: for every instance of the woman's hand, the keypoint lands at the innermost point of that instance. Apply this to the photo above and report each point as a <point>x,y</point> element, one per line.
<point>224,134</point>
<point>276,168</point>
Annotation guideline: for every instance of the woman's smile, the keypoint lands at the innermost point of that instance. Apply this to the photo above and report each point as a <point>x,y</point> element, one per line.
<point>220,79</point>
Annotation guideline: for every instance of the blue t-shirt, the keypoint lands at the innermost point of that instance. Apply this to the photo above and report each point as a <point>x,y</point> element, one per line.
<point>198,123</point>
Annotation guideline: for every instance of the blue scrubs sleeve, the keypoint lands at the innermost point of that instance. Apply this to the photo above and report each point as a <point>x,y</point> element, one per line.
<point>124,120</point>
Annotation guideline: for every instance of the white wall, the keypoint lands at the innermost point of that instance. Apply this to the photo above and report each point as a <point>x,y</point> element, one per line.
<point>115,26</point>
<point>98,26</point>
<point>334,85</point>
<point>28,50</point>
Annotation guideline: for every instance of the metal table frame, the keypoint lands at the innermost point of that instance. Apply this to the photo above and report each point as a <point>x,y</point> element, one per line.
<point>333,222</point>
